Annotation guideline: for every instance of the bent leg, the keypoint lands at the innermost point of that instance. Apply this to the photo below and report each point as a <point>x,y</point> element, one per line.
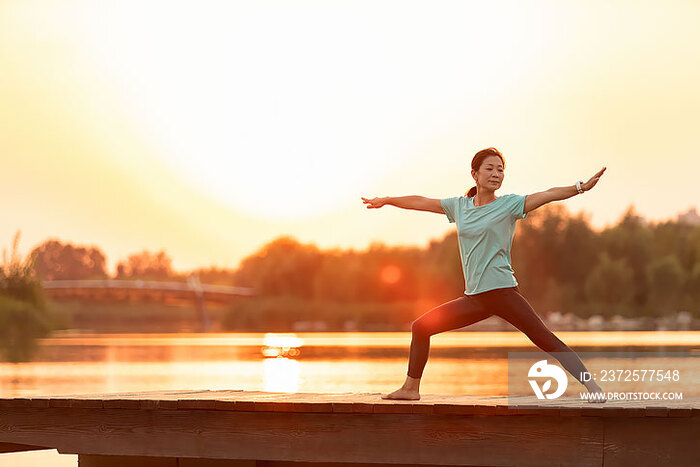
<point>454,314</point>
<point>515,309</point>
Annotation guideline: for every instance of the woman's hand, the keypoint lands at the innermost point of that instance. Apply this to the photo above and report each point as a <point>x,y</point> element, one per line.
<point>594,179</point>
<point>374,203</point>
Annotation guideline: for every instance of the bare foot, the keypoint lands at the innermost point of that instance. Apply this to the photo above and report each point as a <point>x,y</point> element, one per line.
<point>403,394</point>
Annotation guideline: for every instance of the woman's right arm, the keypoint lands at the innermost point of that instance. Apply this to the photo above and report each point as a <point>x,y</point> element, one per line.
<point>418,203</point>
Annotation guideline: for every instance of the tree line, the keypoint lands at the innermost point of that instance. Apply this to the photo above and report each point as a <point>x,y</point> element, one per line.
<point>633,268</point>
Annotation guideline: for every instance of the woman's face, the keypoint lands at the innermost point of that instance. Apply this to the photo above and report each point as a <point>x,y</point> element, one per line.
<point>490,174</point>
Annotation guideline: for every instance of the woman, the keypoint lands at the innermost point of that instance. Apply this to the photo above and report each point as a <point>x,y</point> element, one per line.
<point>485,227</point>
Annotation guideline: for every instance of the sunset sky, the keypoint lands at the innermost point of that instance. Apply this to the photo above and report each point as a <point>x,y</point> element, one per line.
<point>210,128</point>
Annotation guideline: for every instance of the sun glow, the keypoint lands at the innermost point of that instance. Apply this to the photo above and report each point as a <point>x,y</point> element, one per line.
<point>292,111</point>
<point>390,274</point>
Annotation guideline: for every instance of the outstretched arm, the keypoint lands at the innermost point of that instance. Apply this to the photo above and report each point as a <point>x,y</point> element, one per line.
<point>535,200</point>
<point>419,203</point>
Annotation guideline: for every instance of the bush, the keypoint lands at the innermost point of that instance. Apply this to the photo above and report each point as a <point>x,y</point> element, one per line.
<point>23,314</point>
<point>21,323</point>
<point>17,279</point>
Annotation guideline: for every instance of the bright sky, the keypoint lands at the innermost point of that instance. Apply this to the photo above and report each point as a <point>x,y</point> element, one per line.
<point>210,128</point>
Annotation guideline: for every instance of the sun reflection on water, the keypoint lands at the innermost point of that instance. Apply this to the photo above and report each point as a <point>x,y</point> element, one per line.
<point>281,375</point>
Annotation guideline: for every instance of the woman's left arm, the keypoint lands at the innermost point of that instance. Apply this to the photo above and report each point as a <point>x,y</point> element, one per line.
<point>535,200</point>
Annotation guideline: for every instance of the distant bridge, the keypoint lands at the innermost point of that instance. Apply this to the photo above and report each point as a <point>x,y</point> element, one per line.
<point>140,290</point>
<point>169,293</point>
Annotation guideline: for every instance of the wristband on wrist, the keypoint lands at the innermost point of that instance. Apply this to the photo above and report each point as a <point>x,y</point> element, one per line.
<point>578,186</point>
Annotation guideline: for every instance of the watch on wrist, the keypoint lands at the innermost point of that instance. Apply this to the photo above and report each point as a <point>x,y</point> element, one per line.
<point>578,186</point>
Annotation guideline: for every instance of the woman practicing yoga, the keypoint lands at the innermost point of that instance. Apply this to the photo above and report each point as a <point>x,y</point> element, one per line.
<point>485,228</point>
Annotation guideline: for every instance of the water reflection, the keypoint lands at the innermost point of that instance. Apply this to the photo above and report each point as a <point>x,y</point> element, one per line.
<point>460,362</point>
<point>281,375</point>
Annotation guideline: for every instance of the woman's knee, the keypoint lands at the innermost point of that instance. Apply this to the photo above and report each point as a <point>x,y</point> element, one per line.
<point>420,328</point>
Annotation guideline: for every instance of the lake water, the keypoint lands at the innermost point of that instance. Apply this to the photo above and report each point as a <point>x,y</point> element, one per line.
<point>474,363</point>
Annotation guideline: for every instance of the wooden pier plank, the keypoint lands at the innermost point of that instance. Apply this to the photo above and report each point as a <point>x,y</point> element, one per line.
<point>261,401</point>
<point>640,444</point>
<point>309,437</point>
<point>319,427</point>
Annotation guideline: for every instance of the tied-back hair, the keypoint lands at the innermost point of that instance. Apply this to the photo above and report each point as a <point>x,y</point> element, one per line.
<point>476,164</point>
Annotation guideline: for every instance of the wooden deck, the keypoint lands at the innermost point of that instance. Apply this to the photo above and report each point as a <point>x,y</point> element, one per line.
<point>254,429</point>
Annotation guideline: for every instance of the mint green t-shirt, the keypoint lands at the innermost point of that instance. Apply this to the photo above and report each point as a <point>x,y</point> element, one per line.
<point>485,235</point>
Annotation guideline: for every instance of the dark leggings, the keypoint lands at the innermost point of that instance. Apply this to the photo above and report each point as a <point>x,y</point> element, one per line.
<point>468,309</point>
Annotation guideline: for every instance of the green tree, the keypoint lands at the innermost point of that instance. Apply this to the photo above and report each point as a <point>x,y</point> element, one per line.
<point>552,255</point>
<point>146,265</point>
<point>337,279</point>
<point>694,245</point>
<point>54,260</point>
<point>610,287</point>
<point>443,278</point>
<point>632,240</point>
<point>692,290</point>
<point>667,279</point>
<point>282,267</point>
<point>679,239</point>
<point>536,245</point>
